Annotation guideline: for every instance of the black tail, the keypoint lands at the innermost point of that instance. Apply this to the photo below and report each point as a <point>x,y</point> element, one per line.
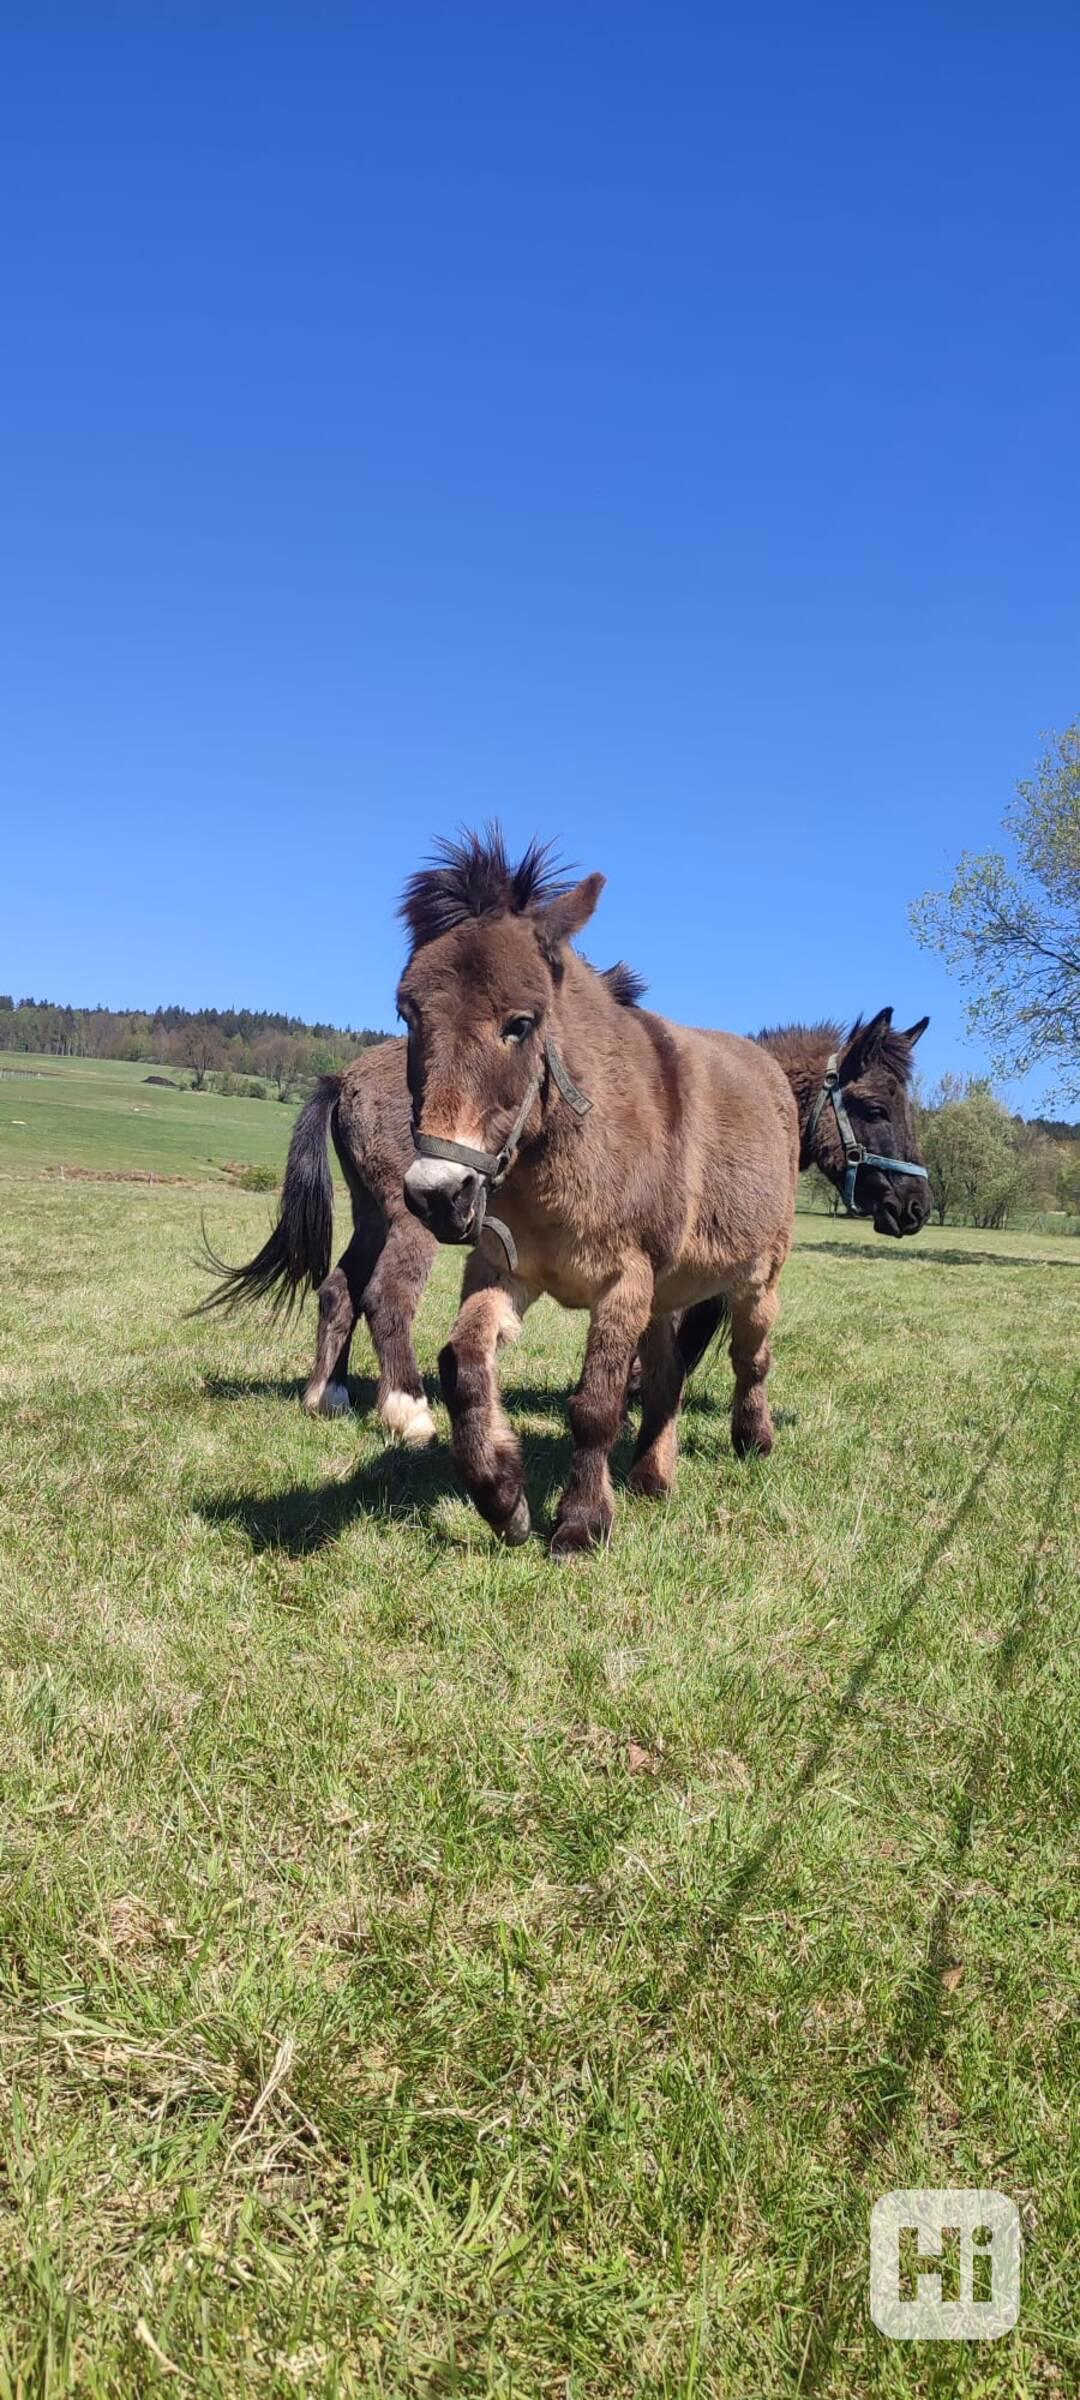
<point>296,1258</point>
<point>696,1328</point>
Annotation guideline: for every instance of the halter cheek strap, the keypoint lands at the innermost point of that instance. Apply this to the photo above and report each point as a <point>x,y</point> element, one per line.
<point>494,1165</point>
<point>855,1155</point>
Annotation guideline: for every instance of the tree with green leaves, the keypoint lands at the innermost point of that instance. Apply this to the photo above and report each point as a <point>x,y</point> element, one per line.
<point>1068,1186</point>
<point>1011,932</point>
<point>971,1148</point>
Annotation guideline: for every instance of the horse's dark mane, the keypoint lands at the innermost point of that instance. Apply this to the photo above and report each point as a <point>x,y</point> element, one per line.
<point>473,877</point>
<point>625,984</point>
<point>828,1036</point>
<point>777,1036</point>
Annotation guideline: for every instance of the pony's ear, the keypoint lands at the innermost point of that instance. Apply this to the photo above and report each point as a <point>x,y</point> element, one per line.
<point>864,1046</point>
<point>915,1032</point>
<point>569,912</point>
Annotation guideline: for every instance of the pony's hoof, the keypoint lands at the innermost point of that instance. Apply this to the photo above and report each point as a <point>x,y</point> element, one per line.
<point>409,1418</point>
<point>333,1402</point>
<point>574,1535</point>
<point>752,1441</point>
<point>647,1484</point>
<point>518,1525</point>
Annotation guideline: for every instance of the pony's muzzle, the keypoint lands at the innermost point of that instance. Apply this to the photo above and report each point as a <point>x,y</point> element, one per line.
<point>444,1196</point>
<point>903,1206</point>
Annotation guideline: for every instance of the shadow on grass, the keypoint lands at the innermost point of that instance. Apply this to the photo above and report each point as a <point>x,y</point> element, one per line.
<point>406,1484</point>
<point>893,1254</point>
<point>921,2019</point>
<point>399,1484</point>
<point>541,1399</point>
<point>717,1923</point>
<point>253,1387</point>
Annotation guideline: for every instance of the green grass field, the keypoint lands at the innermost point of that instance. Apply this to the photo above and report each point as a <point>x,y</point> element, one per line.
<point>100,1114</point>
<point>428,1970</point>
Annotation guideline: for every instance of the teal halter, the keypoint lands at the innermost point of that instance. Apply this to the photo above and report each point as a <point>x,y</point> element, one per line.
<point>855,1155</point>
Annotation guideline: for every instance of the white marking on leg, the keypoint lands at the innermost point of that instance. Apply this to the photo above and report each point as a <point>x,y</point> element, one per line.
<point>411,1419</point>
<point>335,1401</point>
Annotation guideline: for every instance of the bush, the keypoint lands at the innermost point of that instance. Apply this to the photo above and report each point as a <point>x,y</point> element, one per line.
<point>258,1179</point>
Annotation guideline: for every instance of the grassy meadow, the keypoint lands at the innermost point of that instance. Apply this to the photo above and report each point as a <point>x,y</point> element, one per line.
<point>428,1970</point>
<point>100,1115</point>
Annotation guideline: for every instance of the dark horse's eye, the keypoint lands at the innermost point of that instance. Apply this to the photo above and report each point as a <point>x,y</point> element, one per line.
<point>518,1029</point>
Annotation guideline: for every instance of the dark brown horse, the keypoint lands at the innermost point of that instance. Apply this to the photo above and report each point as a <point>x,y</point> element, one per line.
<point>642,1168</point>
<point>869,1069</point>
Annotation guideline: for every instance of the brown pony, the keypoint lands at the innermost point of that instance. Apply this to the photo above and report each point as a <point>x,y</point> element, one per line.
<point>382,1273</point>
<point>641,1167</point>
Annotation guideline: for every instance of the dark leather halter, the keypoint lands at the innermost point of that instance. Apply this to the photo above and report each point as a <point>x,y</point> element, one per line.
<point>855,1155</point>
<point>494,1165</point>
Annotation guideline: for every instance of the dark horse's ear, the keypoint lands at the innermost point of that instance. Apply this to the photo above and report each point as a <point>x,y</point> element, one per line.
<point>567,914</point>
<point>864,1046</point>
<point>915,1032</point>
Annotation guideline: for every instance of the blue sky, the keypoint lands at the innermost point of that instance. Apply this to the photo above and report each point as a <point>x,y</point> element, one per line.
<point>653,424</point>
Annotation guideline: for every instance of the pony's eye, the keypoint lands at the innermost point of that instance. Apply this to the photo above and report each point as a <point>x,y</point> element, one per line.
<point>518,1029</point>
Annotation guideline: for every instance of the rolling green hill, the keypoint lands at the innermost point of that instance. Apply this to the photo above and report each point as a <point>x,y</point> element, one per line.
<point>101,1116</point>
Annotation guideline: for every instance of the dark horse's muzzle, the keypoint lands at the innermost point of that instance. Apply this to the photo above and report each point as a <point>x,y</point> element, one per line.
<point>899,1204</point>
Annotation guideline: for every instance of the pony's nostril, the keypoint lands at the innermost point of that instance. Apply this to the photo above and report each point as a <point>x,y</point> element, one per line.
<point>465,1199</point>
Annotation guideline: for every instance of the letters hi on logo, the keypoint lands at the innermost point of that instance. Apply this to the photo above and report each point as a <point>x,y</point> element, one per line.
<point>908,2275</point>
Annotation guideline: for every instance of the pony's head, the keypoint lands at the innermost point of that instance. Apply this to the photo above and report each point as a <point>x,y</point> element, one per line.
<point>873,1093</point>
<point>487,958</point>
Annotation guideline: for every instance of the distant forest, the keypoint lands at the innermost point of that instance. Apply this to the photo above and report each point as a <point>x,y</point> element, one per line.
<point>253,1052</point>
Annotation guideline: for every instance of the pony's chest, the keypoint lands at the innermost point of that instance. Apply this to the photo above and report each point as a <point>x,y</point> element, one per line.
<point>561,1266</point>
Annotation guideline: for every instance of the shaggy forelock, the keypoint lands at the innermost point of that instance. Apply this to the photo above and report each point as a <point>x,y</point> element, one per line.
<point>473,877</point>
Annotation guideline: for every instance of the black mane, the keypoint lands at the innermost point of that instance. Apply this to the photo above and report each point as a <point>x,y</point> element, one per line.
<point>895,1048</point>
<point>825,1030</point>
<point>473,877</point>
<point>625,984</point>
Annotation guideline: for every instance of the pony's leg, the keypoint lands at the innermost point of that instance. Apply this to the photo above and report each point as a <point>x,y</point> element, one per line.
<point>662,1377</point>
<point>390,1304</point>
<point>486,1448</point>
<point>753,1315</point>
<point>587,1507</point>
<point>340,1302</point>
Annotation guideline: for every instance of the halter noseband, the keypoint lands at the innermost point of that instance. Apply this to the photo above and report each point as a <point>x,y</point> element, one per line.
<point>855,1155</point>
<point>494,1165</point>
